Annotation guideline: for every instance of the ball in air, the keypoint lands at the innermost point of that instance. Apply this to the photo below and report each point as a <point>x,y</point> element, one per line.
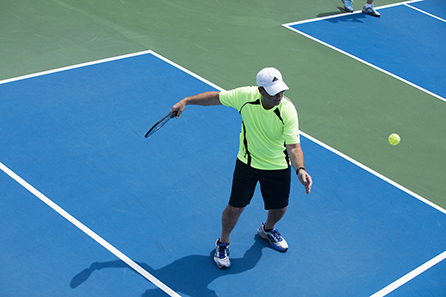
<point>394,139</point>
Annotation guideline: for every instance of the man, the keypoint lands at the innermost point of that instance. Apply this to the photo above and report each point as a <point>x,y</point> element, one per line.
<point>367,8</point>
<point>269,143</point>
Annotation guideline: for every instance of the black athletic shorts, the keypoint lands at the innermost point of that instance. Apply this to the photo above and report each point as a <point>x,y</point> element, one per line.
<point>274,186</point>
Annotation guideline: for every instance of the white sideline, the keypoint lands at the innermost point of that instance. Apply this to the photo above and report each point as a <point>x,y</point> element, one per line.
<point>88,231</point>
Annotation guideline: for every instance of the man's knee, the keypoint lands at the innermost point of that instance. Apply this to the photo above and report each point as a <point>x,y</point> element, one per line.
<point>233,210</point>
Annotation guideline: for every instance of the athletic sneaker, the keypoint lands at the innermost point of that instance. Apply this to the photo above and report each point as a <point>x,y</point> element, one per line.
<point>275,239</point>
<point>221,255</point>
<point>370,10</point>
<point>348,5</point>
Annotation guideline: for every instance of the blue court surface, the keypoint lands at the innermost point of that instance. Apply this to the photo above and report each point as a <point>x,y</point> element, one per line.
<point>407,41</point>
<point>137,214</point>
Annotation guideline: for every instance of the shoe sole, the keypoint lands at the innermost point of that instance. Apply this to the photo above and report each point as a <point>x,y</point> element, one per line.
<point>374,15</point>
<point>221,266</point>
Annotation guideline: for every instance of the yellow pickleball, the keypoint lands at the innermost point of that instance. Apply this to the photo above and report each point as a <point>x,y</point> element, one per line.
<point>394,139</point>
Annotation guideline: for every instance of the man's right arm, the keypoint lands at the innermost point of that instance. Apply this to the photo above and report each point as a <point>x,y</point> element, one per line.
<point>202,99</point>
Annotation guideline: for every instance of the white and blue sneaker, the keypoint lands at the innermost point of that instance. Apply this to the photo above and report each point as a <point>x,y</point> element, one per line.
<point>348,6</point>
<point>221,255</point>
<point>275,239</point>
<point>368,9</point>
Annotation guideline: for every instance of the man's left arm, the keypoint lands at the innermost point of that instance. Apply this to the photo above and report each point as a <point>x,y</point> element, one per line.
<point>297,161</point>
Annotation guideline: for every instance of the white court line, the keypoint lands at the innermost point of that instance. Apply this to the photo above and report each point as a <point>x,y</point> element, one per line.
<point>388,180</point>
<point>347,13</point>
<point>414,273</point>
<point>406,278</point>
<point>108,60</point>
<point>131,263</point>
<point>186,70</point>
<point>73,67</point>
<point>288,25</point>
<point>425,12</point>
<point>88,231</point>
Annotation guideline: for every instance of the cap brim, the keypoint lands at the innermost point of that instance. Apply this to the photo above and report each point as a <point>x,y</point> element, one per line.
<point>276,88</point>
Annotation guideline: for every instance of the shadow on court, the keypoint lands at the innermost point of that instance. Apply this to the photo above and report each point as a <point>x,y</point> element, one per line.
<point>348,18</point>
<point>326,14</point>
<point>190,275</point>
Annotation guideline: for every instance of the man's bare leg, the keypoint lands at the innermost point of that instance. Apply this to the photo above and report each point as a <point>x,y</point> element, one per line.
<point>228,221</point>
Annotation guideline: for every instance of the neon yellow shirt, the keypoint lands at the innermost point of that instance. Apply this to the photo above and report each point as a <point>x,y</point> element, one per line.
<point>264,132</point>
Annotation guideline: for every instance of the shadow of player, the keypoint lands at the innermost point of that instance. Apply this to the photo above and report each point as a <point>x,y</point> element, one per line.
<point>189,275</point>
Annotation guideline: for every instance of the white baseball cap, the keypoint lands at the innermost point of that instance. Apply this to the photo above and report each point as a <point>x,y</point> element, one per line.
<point>271,80</point>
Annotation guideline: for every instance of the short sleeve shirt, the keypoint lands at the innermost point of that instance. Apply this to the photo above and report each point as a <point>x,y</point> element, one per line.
<point>264,132</point>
